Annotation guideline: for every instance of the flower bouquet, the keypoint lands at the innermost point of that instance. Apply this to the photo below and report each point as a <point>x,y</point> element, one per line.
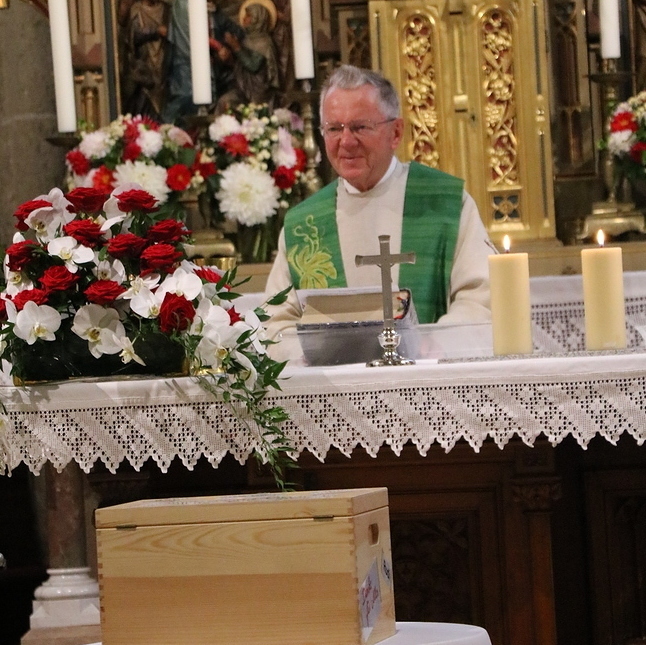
<point>626,139</point>
<point>260,172</point>
<point>99,284</point>
<point>162,159</point>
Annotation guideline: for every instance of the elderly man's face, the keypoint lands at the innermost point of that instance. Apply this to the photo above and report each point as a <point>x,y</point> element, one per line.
<point>362,157</point>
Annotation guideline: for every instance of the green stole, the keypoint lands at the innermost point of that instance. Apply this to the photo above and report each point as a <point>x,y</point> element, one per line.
<point>431,221</point>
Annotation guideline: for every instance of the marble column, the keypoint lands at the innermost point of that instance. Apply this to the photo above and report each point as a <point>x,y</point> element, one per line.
<point>69,596</point>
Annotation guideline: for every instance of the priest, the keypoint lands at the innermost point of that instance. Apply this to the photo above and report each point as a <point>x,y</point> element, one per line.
<point>422,209</point>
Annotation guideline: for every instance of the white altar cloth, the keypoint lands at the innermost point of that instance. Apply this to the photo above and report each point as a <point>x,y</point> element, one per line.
<point>344,407</point>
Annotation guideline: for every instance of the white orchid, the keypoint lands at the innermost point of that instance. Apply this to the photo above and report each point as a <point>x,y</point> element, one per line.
<point>70,251</point>
<point>146,303</point>
<point>128,353</point>
<point>140,284</point>
<point>109,270</point>
<point>114,215</point>
<point>36,321</point>
<point>47,221</point>
<point>101,327</point>
<point>181,283</point>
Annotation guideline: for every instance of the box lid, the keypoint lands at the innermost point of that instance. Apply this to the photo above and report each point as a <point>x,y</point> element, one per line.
<point>240,508</point>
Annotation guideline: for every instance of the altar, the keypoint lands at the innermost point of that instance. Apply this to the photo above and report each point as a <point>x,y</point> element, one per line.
<point>483,499</point>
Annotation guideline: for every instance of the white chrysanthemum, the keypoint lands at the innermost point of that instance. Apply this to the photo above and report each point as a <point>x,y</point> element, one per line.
<point>150,177</point>
<point>95,145</point>
<point>253,128</point>
<point>223,126</point>
<point>150,142</point>
<point>284,153</point>
<point>247,194</point>
<point>619,143</point>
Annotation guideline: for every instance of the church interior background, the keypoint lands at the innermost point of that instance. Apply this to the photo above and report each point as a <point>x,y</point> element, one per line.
<point>511,95</point>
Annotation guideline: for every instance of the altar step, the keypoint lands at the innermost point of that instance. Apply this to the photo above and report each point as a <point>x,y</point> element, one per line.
<point>78,635</point>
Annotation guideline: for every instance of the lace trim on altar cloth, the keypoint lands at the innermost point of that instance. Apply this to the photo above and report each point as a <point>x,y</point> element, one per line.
<point>422,415</point>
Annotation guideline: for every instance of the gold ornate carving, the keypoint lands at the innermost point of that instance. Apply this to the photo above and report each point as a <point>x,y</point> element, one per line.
<point>500,114</point>
<point>420,86</point>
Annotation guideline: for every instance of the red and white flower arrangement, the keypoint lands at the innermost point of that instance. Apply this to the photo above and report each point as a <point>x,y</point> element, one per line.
<point>106,275</point>
<point>626,139</point>
<point>260,164</point>
<point>161,158</point>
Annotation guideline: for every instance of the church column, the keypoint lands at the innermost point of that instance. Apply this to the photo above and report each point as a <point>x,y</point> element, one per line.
<point>535,496</point>
<point>69,596</point>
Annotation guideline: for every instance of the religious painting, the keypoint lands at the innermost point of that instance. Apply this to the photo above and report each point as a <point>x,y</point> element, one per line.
<point>250,43</point>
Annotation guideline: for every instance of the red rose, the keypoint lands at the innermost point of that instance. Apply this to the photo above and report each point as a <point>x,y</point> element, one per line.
<point>637,152</point>
<point>131,151</point>
<point>234,316</point>
<point>3,309</point>
<point>87,200</point>
<point>623,121</point>
<point>168,230</point>
<point>23,297</point>
<point>301,159</point>
<point>103,292</point>
<point>175,314</point>
<point>20,254</point>
<point>236,144</point>
<point>178,177</point>
<point>136,200</point>
<point>126,245</point>
<point>84,231</point>
<point>160,257</point>
<point>103,179</point>
<point>208,275</point>
<point>25,210</point>
<point>58,278</point>
<point>284,177</point>
<point>78,162</point>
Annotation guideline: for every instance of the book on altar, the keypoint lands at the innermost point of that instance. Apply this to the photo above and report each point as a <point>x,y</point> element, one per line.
<point>341,326</point>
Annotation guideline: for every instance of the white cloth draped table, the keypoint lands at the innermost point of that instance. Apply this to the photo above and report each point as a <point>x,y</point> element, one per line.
<point>553,395</point>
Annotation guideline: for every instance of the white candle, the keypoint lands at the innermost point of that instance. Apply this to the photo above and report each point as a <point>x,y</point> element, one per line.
<point>603,297</point>
<point>59,26</point>
<point>302,36</point>
<point>609,27</point>
<point>511,319</point>
<point>198,28</point>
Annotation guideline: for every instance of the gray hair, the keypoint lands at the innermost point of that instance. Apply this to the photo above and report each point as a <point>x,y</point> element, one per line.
<point>349,77</point>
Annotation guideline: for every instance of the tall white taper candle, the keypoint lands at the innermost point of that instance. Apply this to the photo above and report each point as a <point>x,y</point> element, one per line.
<point>59,25</point>
<point>609,27</point>
<point>302,36</point>
<point>198,28</point>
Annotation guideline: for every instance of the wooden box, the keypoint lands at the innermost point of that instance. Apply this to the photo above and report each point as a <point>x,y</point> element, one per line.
<point>302,568</point>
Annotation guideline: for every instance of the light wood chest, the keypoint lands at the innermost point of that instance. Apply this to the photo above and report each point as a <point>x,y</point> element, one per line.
<point>302,568</point>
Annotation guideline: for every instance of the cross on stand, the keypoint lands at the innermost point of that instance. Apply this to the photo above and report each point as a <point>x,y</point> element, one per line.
<point>389,337</point>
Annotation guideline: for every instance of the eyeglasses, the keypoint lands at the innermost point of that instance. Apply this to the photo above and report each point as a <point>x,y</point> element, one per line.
<point>359,129</point>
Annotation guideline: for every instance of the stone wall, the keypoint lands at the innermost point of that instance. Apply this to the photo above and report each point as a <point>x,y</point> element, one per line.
<point>29,164</point>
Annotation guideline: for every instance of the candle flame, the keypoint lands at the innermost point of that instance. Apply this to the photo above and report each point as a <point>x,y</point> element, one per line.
<point>506,243</point>
<point>601,238</point>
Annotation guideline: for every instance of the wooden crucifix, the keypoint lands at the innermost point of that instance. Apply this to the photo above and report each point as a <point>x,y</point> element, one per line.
<point>389,338</point>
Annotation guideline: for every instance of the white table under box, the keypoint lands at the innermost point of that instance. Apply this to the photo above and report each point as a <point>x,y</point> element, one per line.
<point>264,569</point>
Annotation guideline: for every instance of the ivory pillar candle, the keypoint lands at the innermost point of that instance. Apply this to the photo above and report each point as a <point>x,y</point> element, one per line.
<point>510,303</point>
<point>59,27</point>
<point>302,37</point>
<point>609,28</point>
<point>603,297</point>
<point>198,28</point>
